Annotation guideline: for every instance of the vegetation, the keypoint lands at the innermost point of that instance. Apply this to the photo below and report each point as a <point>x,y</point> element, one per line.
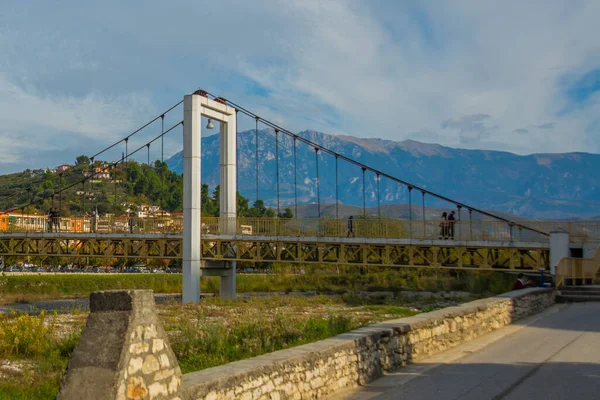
<point>286,278</point>
<point>130,183</point>
<point>212,333</point>
<point>34,355</point>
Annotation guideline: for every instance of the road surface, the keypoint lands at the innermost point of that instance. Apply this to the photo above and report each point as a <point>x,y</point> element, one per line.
<point>555,355</point>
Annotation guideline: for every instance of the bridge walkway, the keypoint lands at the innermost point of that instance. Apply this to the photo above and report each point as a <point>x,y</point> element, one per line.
<point>383,252</point>
<point>555,355</point>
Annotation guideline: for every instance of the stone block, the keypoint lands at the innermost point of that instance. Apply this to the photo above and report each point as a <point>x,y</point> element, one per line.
<point>122,352</point>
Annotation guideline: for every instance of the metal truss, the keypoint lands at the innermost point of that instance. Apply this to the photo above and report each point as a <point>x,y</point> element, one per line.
<point>91,246</point>
<point>464,255</point>
<point>383,255</point>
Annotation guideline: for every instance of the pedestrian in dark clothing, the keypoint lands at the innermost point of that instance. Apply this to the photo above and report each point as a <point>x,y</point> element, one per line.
<point>94,221</point>
<point>50,219</point>
<point>131,222</point>
<point>351,227</point>
<point>56,218</point>
<point>451,222</point>
<point>444,226</point>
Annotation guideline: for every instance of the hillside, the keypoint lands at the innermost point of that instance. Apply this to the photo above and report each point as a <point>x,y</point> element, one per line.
<point>545,186</point>
<point>105,190</point>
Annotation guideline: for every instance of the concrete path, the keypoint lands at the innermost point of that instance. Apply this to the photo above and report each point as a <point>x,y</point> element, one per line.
<point>555,355</point>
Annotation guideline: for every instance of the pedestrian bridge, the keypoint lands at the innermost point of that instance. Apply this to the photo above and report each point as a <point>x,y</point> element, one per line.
<point>214,245</point>
<point>382,242</point>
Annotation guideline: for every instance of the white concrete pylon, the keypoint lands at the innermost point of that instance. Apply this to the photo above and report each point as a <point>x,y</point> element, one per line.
<point>191,198</point>
<point>195,106</point>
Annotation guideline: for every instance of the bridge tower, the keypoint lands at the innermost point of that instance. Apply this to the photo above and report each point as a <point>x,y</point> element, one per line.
<point>197,105</point>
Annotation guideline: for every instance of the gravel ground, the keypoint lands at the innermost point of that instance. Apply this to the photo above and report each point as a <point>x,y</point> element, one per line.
<point>441,299</point>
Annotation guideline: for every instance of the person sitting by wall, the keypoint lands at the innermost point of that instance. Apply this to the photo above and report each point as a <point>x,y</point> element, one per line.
<point>521,282</point>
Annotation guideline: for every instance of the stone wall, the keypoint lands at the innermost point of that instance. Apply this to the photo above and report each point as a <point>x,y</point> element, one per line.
<point>360,356</point>
<point>124,352</point>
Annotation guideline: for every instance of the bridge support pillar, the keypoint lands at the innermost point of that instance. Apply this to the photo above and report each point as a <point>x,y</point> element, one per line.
<point>226,270</point>
<point>559,248</point>
<point>227,289</point>
<point>192,119</point>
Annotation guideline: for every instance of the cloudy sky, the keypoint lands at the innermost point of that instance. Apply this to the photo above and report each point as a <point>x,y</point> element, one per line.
<point>522,76</point>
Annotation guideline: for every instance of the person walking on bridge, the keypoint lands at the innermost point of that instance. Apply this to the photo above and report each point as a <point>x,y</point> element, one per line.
<point>444,226</point>
<point>56,219</point>
<point>50,220</point>
<point>451,222</point>
<point>351,227</point>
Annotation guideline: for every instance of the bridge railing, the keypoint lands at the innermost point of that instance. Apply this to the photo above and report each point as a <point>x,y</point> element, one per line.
<point>326,227</point>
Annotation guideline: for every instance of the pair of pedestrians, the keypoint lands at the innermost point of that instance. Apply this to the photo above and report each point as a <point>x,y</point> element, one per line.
<point>447,225</point>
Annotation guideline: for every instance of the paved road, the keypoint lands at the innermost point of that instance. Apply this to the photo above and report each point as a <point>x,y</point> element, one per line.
<point>552,356</point>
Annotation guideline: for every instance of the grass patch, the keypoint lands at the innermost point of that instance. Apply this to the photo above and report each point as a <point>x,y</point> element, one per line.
<point>218,332</point>
<point>212,333</point>
<point>33,355</point>
<point>30,288</point>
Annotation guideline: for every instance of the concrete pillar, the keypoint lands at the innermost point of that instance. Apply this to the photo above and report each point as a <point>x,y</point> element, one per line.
<point>227,165</point>
<point>227,288</point>
<point>559,248</point>
<point>191,198</point>
<point>228,200</point>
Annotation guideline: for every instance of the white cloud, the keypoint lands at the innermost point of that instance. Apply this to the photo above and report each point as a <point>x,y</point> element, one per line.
<point>89,116</point>
<point>372,69</point>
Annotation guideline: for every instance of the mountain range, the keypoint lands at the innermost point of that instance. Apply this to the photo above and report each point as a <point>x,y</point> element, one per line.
<point>541,186</point>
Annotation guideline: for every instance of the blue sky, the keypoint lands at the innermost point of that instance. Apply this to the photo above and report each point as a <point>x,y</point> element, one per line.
<point>515,76</point>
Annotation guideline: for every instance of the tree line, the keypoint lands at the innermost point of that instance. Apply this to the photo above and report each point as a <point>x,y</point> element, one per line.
<point>130,182</point>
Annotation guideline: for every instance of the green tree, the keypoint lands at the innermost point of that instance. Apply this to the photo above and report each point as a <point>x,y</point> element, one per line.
<point>82,160</point>
<point>287,214</point>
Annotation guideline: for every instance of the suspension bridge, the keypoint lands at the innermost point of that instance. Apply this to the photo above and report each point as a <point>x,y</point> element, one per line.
<point>213,245</point>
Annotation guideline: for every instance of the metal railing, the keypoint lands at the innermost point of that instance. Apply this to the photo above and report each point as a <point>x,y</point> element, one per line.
<point>383,228</point>
<point>573,269</point>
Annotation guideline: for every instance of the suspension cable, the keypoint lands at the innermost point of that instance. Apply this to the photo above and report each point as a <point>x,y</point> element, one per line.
<point>256,158</point>
<point>318,184</point>
<point>378,198</point>
<point>137,130</point>
<point>354,162</point>
<point>337,200</point>
<point>277,167</point>
<point>423,207</point>
<point>84,196</point>
<point>364,193</point>
<point>410,188</point>
<point>470,224</point>
<point>115,199</point>
<point>295,183</point>
<point>162,161</point>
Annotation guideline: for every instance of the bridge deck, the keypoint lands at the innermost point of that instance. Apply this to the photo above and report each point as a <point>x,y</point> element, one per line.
<point>384,252</point>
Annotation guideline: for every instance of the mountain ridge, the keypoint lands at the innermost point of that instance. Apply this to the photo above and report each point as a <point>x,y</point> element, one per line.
<point>537,185</point>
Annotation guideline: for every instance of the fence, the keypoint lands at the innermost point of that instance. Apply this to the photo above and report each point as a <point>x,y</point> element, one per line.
<point>383,228</point>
